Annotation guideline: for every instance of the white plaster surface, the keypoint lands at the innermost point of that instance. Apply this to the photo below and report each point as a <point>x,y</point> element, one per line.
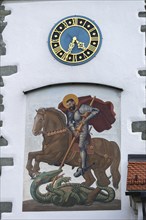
<point>116,64</point>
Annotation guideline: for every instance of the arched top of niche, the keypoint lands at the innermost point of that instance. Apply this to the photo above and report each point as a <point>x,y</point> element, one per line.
<point>73,83</point>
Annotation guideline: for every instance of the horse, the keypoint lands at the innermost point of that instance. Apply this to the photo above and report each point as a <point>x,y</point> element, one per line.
<point>101,153</point>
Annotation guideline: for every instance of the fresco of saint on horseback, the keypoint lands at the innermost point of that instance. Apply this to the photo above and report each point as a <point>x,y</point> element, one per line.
<point>67,139</point>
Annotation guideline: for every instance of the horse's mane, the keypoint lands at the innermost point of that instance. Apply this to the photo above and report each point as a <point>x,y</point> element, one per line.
<point>60,115</point>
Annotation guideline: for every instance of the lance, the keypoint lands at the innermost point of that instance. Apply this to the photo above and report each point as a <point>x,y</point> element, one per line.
<point>79,129</point>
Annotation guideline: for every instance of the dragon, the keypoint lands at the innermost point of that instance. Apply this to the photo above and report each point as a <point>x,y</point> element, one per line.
<point>64,193</point>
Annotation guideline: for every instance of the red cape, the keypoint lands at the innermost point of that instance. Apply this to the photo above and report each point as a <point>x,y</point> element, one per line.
<point>104,119</point>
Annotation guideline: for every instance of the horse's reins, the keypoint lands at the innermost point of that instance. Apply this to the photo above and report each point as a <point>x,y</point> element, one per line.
<point>51,133</point>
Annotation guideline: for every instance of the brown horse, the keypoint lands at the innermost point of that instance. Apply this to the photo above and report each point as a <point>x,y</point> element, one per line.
<point>102,154</point>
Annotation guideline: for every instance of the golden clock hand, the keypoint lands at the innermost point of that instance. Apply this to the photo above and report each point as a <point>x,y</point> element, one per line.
<point>80,45</point>
<point>71,46</point>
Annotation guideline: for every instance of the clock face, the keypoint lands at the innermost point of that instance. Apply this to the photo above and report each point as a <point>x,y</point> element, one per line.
<point>75,40</point>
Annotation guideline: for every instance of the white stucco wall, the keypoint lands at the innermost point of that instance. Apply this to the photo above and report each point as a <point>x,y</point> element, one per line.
<point>117,63</point>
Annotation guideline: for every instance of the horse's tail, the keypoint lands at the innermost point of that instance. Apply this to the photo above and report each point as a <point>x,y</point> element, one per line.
<point>114,168</point>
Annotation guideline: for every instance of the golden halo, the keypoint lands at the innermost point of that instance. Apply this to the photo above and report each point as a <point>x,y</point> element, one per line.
<point>68,97</point>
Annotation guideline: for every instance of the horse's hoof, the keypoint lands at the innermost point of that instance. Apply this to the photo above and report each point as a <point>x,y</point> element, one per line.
<point>31,174</point>
<point>34,175</point>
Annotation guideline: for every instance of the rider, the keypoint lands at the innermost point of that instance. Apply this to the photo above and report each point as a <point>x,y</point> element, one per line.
<point>75,116</point>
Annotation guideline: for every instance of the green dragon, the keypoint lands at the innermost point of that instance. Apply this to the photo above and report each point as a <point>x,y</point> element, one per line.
<point>64,193</point>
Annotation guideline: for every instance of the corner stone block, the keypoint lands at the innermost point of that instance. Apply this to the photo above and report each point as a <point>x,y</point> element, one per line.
<point>144,110</point>
<point>2,44</point>
<point>4,12</point>
<point>1,123</point>
<point>2,50</point>
<point>143,135</point>
<point>143,28</point>
<point>1,82</point>
<point>8,70</point>
<point>2,26</point>
<point>5,207</point>
<point>5,162</point>
<point>3,141</point>
<point>1,99</point>
<point>142,14</point>
<point>1,108</point>
<point>142,72</point>
<point>139,126</point>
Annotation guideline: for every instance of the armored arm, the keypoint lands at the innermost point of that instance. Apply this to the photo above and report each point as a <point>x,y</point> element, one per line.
<point>92,112</point>
<point>70,121</point>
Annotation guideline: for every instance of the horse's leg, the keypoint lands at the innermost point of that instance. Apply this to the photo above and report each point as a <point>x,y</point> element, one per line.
<point>36,167</point>
<point>102,179</point>
<point>31,156</point>
<point>29,165</point>
<point>89,178</point>
<point>41,158</point>
<point>115,165</point>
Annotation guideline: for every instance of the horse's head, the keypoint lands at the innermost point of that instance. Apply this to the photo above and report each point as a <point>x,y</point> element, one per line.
<point>48,120</point>
<point>38,122</point>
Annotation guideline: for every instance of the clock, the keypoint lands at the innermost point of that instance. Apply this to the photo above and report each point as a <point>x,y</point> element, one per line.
<point>75,40</point>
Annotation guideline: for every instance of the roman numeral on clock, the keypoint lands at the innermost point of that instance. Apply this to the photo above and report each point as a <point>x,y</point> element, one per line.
<point>54,41</point>
<point>94,38</point>
<point>65,24</point>
<point>92,29</point>
<point>92,48</point>
<point>74,58</point>
<point>64,56</point>
<point>75,21</point>
<point>58,31</point>
<point>85,55</point>
<point>57,49</point>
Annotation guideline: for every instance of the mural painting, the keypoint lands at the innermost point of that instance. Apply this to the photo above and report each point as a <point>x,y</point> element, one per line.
<point>67,141</point>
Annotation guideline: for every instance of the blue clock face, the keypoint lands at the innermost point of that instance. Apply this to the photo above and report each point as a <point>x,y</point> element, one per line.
<point>75,40</point>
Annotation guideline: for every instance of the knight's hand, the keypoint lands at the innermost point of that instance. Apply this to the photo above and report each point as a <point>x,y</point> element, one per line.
<point>76,134</point>
<point>79,128</point>
<point>83,121</point>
